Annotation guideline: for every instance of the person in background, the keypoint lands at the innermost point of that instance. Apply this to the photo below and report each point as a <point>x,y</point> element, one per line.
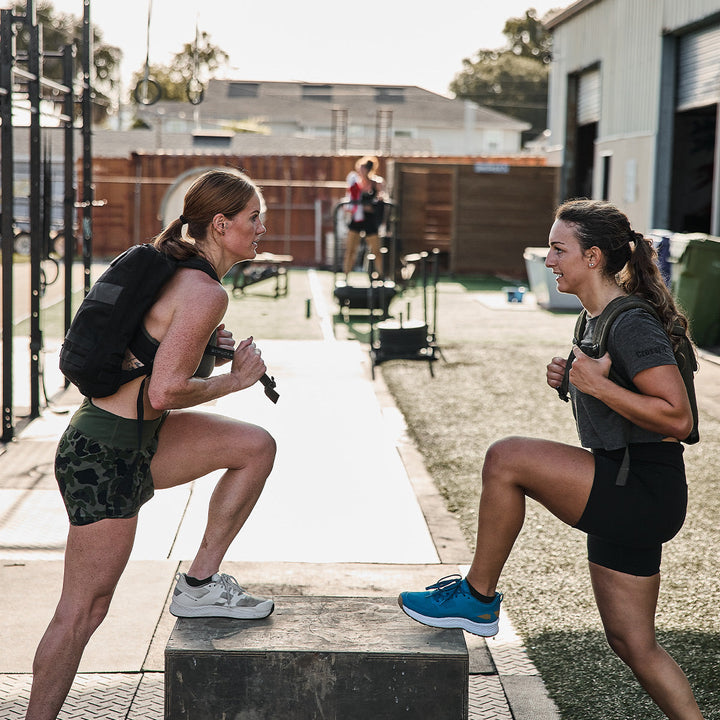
<point>595,255</point>
<point>365,190</point>
<point>104,477</point>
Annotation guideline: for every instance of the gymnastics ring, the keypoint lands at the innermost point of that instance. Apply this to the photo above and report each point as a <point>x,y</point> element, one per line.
<point>147,92</point>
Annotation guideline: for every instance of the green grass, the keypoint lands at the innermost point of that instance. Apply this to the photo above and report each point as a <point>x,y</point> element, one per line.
<point>482,283</point>
<point>490,384</point>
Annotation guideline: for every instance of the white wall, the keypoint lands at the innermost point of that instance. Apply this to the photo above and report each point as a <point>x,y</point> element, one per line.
<point>625,40</point>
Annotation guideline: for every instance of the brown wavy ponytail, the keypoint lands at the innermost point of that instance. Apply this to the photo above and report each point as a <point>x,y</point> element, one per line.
<point>172,243</point>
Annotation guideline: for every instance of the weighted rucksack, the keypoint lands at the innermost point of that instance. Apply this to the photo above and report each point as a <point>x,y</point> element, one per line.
<point>111,314</point>
<point>682,348</point>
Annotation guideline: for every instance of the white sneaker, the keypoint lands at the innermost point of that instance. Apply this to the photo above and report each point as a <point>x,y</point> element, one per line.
<point>222,597</point>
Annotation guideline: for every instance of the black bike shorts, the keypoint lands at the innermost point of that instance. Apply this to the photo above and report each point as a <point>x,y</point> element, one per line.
<point>99,468</point>
<point>627,524</point>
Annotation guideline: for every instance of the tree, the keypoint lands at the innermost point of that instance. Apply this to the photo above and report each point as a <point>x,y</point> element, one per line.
<point>59,29</point>
<point>527,37</point>
<point>512,80</point>
<point>185,66</point>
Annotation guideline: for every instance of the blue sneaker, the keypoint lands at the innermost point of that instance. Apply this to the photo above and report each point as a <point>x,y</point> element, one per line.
<point>450,604</point>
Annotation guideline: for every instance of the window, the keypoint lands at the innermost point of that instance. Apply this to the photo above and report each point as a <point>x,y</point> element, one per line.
<point>242,89</point>
<point>606,161</point>
<point>317,92</point>
<point>389,94</point>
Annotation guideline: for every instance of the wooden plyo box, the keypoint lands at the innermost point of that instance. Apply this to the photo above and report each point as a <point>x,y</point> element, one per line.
<point>316,657</point>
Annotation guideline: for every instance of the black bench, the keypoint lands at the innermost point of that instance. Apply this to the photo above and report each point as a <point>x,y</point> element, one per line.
<point>265,266</point>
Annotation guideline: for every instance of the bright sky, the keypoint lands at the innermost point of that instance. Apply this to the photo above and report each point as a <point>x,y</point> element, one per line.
<point>390,42</point>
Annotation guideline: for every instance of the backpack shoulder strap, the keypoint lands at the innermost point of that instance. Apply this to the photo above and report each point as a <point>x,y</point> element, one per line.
<point>564,388</point>
<point>200,263</point>
<point>580,324</point>
<point>607,317</point>
<point>601,331</point>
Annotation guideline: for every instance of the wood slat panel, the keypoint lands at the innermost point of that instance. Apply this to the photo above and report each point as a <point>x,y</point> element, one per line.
<point>478,221</point>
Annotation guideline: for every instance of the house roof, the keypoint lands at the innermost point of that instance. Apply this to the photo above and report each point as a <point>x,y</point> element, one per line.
<point>121,143</point>
<point>311,105</point>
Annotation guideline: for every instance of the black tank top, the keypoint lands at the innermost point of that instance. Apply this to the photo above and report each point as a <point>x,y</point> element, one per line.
<point>144,347</point>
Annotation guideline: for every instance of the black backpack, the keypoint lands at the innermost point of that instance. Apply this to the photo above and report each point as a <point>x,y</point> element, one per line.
<point>111,314</point>
<point>682,347</point>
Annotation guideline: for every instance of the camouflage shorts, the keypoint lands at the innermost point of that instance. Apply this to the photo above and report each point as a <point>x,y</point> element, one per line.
<point>99,468</point>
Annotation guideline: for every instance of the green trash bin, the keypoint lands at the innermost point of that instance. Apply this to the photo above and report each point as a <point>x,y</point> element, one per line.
<point>697,289</point>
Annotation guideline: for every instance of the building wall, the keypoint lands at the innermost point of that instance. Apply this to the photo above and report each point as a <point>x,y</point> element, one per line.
<point>631,175</point>
<point>473,140</point>
<point>476,141</point>
<point>625,39</point>
<point>680,13</point>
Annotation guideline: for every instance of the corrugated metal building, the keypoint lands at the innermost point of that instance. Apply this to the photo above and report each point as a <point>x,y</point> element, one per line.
<point>633,118</point>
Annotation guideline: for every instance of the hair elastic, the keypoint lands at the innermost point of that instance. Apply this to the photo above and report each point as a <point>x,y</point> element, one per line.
<point>183,220</point>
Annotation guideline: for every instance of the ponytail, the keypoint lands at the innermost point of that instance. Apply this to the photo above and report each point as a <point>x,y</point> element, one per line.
<point>641,276</point>
<point>172,242</point>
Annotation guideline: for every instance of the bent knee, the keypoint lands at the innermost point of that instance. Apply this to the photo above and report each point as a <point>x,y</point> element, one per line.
<point>267,446</point>
<point>255,445</point>
<point>501,456</point>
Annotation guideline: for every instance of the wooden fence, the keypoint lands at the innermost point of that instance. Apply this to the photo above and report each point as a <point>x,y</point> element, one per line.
<point>480,215</point>
<point>477,218</point>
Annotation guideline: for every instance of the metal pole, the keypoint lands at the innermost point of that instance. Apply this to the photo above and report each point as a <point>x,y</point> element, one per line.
<point>318,231</point>
<point>69,182</point>
<point>288,219</point>
<point>35,208</point>
<point>424,257</point>
<point>137,198</point>
<point>6,228</point>
<point>47,183</point>
<point>436,272</point>
<point>87,145</point>
<point>715,201</point>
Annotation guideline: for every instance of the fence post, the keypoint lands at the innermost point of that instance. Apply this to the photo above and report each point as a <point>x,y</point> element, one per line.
<point>8,202</point>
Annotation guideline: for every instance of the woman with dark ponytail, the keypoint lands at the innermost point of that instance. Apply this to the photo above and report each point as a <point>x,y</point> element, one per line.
<point>596,255</point>
<point>106,470</point>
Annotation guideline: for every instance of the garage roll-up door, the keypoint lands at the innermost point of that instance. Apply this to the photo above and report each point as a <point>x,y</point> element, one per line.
<point>588,107</point>
<point>699,69</point>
